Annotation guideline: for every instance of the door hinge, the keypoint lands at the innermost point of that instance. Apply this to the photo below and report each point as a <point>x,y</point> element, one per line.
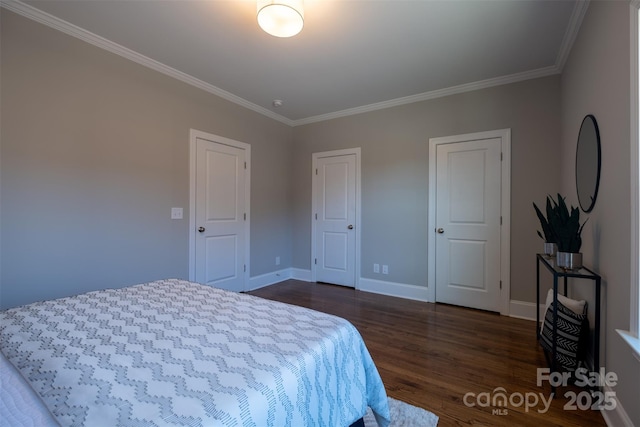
<point>501,156</point>
<point>500,284</point>
<point>315,261</point>
<point>316,217</point>
<point>316,171</point>
<point>245,165</point>
<point>245,216</point>
<point>500,219</point>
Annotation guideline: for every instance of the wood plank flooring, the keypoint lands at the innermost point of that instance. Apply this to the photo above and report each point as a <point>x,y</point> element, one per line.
<point>432,355</point>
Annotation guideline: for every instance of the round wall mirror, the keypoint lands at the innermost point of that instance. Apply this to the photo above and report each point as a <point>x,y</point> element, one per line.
<point>588,163</point>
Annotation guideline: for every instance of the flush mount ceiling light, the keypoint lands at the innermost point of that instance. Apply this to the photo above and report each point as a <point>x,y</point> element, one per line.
<point>281,18</point>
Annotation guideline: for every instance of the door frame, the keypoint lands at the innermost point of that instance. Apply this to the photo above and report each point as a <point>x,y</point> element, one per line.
<point>314,192</point>
<point>193,137</point>
<point>505,211</point>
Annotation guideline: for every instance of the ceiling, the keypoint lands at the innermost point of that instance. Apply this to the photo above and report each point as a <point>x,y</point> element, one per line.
<point>351,56</point>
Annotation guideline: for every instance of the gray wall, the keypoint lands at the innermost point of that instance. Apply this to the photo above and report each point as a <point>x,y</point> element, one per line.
<point>596,81</point>
<point>395,173</point>
<point>95,152</point>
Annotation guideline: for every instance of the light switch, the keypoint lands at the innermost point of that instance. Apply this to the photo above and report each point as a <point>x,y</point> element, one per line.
<point>176,213</point>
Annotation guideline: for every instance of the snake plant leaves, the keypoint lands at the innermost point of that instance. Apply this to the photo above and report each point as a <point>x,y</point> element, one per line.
<point>566,226</point>
<point>547,232</point>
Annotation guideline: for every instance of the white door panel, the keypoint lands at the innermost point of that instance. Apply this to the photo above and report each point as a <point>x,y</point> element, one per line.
<point>335,251</point>
<point>468,205</point>
<point>335,223</point>
<point>221,263</point>
<point>220,215</point>
<point>222,185</point>
<point>473,275</point>
<point>335,180</point>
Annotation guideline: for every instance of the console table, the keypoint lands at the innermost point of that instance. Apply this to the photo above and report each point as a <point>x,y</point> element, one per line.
<point>558,272</point>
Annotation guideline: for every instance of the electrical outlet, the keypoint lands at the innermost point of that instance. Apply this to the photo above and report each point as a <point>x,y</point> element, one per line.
<point>376,268</point>
<point>176,213</point>
<point>385,269</point>
<point>277,260</point>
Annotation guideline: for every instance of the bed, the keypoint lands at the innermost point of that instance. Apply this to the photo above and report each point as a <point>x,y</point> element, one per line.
<point>176,353</point>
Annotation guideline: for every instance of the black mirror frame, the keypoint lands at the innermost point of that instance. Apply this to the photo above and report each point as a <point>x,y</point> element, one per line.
<point>589,208</point>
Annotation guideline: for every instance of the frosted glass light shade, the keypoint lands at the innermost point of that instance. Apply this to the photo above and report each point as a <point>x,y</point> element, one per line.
<point>281,18</point>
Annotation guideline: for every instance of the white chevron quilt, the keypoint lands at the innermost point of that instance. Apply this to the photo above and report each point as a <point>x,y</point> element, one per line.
<point>176,353</point>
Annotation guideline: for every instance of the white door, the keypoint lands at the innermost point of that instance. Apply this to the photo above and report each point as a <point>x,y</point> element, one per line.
<point>220,215</point>
<point>467,239</point>
<point>335,219</point>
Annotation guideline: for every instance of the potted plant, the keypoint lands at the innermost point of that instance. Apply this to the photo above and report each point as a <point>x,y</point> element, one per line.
<point>547,234</point>
<point>566,227</point>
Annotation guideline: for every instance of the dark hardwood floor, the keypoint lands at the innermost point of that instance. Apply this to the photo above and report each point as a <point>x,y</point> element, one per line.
<point>432,355</point>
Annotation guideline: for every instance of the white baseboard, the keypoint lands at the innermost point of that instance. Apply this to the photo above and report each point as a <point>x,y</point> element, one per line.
<point>267,279</point>
<point>274,277</point>
<point>300,274</point>
<point>616,417</point>
<point>519,309</point>
<point>393,289</point>
<point>522,310</point>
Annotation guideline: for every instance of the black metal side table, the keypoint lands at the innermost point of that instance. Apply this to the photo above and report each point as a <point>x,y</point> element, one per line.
<point>558,272</point>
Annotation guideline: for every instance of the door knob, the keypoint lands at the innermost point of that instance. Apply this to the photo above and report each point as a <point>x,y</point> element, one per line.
<point>201,229</point>
<point>350,227</point>
<point>440,230</point>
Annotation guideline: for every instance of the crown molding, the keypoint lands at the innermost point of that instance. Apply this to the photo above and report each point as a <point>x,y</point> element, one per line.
<point>61,25</point>
<point>37,15</point>
<point>440,93</point>
<point>575,21</point>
